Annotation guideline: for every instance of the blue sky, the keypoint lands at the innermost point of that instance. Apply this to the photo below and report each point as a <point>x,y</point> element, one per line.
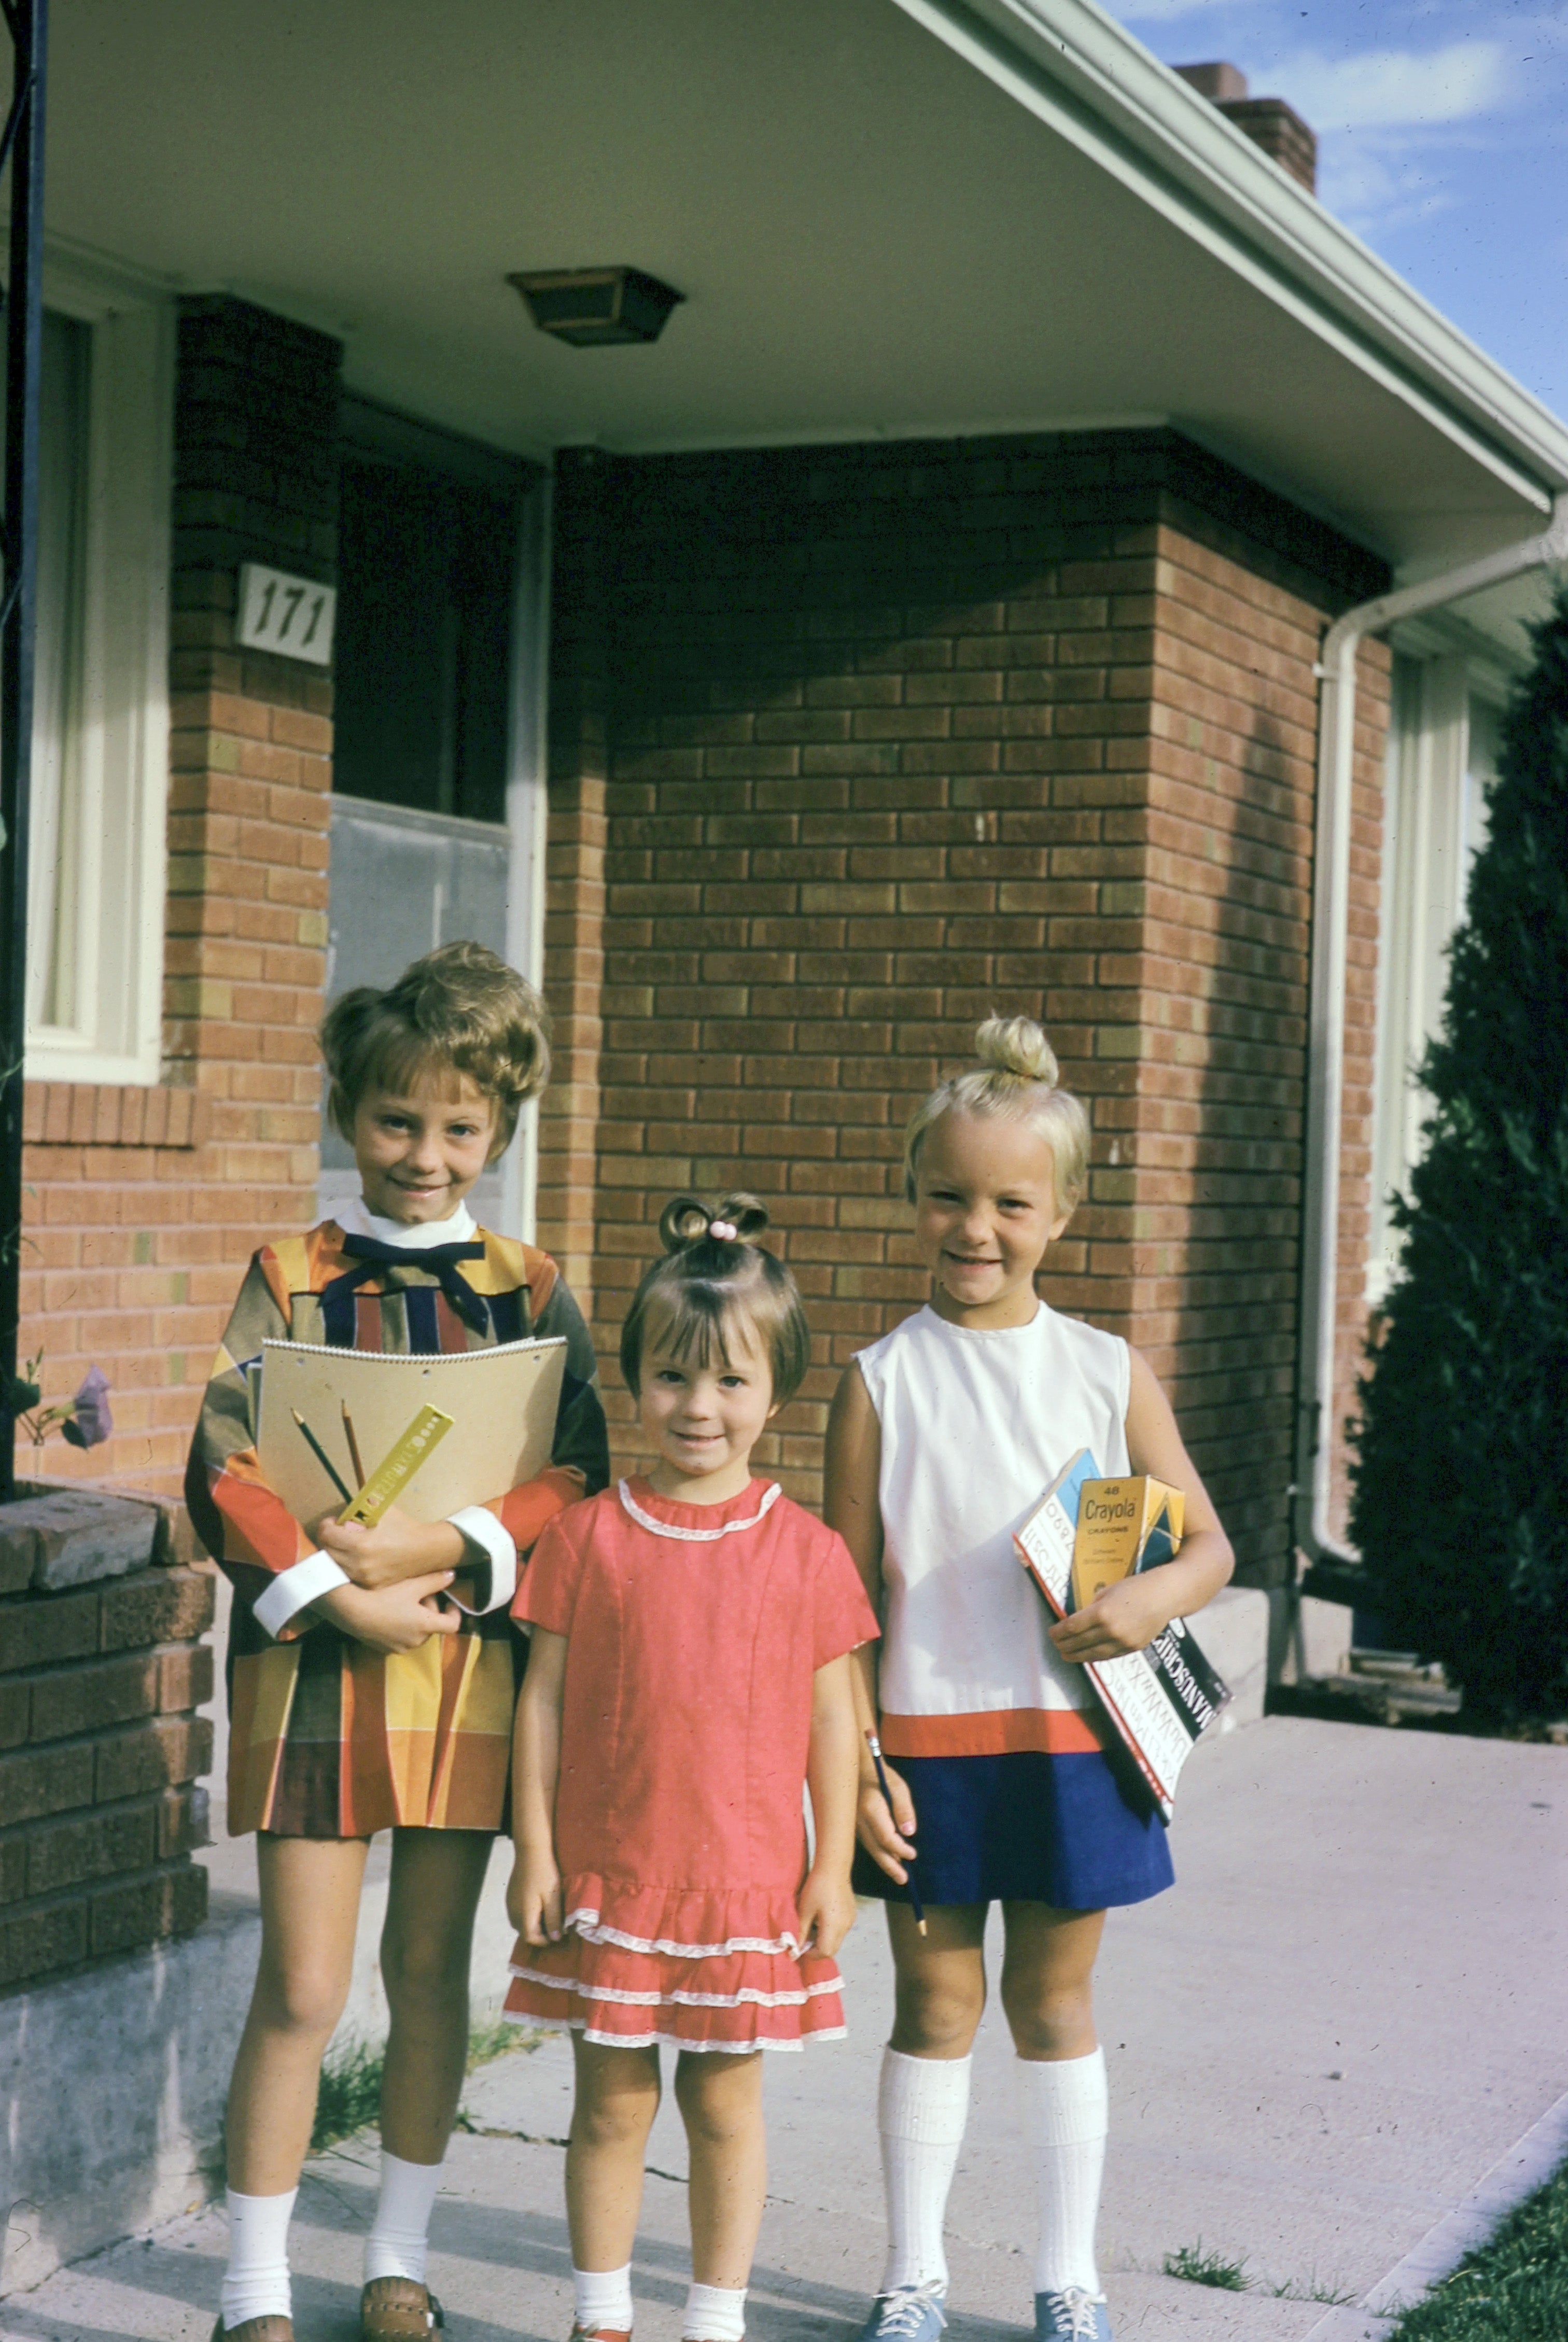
<point>1443,141</point>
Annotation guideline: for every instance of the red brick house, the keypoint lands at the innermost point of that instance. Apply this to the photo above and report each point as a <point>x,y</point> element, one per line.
<point>928,621</point>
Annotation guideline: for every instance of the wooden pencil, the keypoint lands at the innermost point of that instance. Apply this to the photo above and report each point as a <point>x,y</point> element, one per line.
<point>352,1443</point>
<point>322,1458</point>
<point>916,1904</point>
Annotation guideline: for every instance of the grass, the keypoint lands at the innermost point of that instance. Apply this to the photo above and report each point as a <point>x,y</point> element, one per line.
<point>1514,2288</point>
<point>1199,2268</point>
<point>1196,2266</point>
<point>350,2093</point>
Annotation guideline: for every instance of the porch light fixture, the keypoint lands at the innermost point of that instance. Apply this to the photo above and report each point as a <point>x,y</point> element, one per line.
<point>587,307</point>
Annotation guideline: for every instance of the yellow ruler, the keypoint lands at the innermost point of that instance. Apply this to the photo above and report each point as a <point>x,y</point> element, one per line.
<point>398,1467</point>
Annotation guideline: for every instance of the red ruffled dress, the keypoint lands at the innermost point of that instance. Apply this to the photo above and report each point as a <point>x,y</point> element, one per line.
<point>694,1632</point>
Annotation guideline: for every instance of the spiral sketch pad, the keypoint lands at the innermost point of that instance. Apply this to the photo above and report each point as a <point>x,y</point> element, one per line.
<point>501,1401</point>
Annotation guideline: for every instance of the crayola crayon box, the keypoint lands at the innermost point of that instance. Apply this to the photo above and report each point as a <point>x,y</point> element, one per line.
<point>1122,1526</point>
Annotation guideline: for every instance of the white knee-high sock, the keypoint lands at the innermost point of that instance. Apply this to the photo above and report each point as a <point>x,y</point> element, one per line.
<point>714,2314</point>
<point>1067,2108</point>
<point>397,2243</point>
<point>602,2300</point>
<point>256,2283</point>
<point>923,2104</point>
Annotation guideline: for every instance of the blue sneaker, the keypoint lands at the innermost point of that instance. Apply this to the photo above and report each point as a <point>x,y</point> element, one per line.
<point>1072,2316</point>
<point>910,2313</point>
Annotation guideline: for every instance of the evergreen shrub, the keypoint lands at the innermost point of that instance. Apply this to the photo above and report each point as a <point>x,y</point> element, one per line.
<point>1460,1475</point>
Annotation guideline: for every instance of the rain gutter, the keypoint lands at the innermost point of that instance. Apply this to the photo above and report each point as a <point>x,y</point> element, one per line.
<point>1329,1561</point>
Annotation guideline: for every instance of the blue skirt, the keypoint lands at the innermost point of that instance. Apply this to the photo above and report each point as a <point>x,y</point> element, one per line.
<point>1026,1829</point>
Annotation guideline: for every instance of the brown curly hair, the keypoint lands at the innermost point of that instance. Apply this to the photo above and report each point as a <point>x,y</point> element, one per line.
<point>459,1011</point>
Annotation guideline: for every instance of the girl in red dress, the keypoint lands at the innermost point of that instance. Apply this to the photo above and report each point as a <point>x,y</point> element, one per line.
<point>689,1671</point>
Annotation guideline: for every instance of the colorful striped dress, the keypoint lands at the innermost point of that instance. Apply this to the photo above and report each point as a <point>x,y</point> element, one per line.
<point>329,1738</point>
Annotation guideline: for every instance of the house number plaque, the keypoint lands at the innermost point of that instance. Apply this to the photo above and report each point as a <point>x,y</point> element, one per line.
<point>292,616</point>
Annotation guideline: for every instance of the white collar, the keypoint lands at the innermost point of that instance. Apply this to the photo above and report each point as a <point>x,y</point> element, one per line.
<point>354,1219</point>
<point>644,1519</point>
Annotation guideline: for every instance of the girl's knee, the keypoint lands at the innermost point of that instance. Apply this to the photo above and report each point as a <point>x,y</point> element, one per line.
<point>1057,2022</point>
<point>300,1999</point>
<point>719,2103</point>
<point>937,2016</point>
<point>423,1972</point>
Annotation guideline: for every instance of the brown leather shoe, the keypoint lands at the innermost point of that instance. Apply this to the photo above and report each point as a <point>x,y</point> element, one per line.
<point>254,2329</point>
<point>600,2334</point>
<point>398,2309</point>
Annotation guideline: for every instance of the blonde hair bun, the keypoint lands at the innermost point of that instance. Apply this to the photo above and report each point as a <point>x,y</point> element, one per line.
<point>1016,1046</point>
<point>1016,1076</point>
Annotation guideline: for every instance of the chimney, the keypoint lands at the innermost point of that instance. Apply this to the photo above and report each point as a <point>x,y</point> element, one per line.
<point>1268,122</point>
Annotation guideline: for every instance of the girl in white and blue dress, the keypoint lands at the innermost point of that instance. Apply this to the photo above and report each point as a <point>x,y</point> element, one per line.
<point>943,1435</point>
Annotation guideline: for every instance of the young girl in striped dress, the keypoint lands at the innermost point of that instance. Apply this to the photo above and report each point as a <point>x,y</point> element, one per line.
<point>372,1673</point>
<point>945,1434</point>
<point>689,1674</point>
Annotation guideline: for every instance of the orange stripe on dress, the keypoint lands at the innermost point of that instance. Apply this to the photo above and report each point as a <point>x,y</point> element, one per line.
<point>459,1657</point>
<point>266,1531</point>
<point>451,1331</point>
<point>994,1732</point>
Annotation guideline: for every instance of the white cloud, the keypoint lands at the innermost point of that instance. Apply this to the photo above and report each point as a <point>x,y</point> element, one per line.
<point>1386,89</point>
<point>1159,12</point>
<point>1374,190</point>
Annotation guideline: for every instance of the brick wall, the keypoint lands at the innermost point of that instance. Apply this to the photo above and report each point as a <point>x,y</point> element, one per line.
<point>574,971</point>
<point>1227,908</point>
<point>100,1750</point>
<point>896,736</point>
<point>143,1205</point>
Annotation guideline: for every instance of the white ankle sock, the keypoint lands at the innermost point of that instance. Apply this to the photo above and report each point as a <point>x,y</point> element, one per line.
<point>714,2314</point>
<point>602,2300</point>
<point>256,2283</point>
<point>923,2104</point>
<point>398,2239</point>
<point>1067,2105</point>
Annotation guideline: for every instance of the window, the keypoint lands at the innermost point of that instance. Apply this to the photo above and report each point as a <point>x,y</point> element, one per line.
<point>426,571</point>
<point>1442,754</point>
<point>100,729</point>
<point>438,790</point>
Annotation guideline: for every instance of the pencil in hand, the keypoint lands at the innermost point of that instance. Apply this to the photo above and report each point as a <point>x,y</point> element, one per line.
<point>321,1457</point>
<point>916,1904</point>
<point>353,1444</point>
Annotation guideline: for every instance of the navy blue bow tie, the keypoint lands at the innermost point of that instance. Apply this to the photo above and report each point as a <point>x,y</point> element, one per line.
<point>441,1260</point>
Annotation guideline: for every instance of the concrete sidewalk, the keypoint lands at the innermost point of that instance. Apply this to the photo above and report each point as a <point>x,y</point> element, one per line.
<point>1347,2011</point>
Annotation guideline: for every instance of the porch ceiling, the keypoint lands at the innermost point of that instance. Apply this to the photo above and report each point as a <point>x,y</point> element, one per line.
<point>873,238</point>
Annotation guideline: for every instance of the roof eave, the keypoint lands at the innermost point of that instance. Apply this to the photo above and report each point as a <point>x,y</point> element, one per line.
<point>1095,85</point>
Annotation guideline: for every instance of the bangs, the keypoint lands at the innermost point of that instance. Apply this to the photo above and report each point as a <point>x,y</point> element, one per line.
<point>694,1324</point>
<point>718,1302</point>
<point>400,1062</point>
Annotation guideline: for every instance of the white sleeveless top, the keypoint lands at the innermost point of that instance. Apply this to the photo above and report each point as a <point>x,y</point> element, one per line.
<point>975,1426</point>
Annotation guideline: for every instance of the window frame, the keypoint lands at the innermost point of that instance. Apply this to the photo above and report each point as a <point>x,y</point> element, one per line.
<point>124,696</point>
<point>1426,823</point>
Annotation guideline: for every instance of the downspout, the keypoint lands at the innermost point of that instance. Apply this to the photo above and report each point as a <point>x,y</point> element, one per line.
<point>1329,1561</point>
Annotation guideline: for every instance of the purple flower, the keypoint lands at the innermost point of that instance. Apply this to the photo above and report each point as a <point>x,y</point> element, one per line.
<point>92,1422</point>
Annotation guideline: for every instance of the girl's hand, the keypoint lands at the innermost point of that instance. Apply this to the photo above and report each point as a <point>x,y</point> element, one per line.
<point>534,1897</point>
<point>400,1618</point>
<point>887,1835</point>
<point>1125,1617</point>
<point>397,1547</point>
<point>827,1910</point>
